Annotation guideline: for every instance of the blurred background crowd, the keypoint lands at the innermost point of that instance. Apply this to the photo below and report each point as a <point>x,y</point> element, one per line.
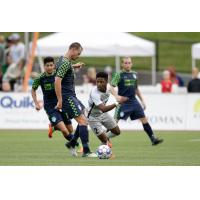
<point>13,61</point>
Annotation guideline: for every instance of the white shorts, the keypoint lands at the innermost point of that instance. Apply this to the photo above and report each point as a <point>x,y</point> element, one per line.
<point>97,124</point>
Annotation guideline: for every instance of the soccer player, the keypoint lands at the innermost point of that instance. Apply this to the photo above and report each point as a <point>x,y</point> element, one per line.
<point>56,117</point>
<point>67,100</point>
<point>126,81</point>
<point>97,114</point>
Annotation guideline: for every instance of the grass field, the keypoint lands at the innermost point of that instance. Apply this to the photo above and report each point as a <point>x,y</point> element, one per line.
<point>33,148</point>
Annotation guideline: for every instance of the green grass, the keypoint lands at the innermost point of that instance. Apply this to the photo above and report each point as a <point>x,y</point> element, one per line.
<point>33,148</point>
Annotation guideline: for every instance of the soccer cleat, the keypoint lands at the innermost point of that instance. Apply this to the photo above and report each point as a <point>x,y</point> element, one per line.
<point>71,149</point>
<point>50,131</point>
<point>109,143</point>
<point>90,155</point>
<point>157,141</point>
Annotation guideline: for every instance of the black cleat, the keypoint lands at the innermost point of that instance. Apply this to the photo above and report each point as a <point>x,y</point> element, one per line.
<point>68,145</point>
<point>157,141</point>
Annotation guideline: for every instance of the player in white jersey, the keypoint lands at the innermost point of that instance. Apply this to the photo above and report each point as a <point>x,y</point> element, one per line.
<point>97,114</point>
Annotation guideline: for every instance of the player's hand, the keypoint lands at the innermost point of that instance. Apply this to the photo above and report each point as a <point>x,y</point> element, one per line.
<point>121,99</point>
<point>37,106</point>
<point>144,105</point>
<point>78,65</point>
<point>59,105</point>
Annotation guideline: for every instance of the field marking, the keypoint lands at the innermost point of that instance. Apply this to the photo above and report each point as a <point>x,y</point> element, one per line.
<point>195,140</point>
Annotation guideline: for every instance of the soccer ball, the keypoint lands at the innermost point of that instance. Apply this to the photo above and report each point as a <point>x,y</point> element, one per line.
<point>104,152</point>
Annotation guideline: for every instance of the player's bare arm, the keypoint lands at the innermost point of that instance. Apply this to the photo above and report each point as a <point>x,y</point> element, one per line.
<point>78,65</point>
<point>139,94</point>
<point>119,99</point>
<point>34,96</point>
<point>107,108</point>
<point>58,92</point>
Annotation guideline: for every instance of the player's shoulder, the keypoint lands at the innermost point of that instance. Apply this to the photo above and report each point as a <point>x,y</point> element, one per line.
<point>135,74</point>
<point>94,90</point>
<point>41,75</point>
<point>62,61</point>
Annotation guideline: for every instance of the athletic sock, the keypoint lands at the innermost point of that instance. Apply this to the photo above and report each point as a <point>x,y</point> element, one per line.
<point>148,130</point>
<point>76,135</point>
<point>69,137</point>
<point>109,134</point>
<point>84,135</point>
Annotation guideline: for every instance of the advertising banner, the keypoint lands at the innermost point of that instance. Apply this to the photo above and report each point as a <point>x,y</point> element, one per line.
<point>164,112</point>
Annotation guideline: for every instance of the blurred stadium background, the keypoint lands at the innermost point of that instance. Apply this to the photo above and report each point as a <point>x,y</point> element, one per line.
<point>175,115</point>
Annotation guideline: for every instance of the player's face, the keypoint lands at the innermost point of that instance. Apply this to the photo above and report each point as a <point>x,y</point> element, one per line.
<point>127,64</point>
<point>76,53</point>
<point>49,67</point>
<point>101,84</point>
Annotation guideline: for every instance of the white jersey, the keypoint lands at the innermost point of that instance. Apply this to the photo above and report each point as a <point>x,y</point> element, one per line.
<point>96,98</point>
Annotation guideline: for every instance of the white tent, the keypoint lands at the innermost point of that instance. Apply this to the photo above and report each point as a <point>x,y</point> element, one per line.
<point>105,44</point>
<point>195,53</point>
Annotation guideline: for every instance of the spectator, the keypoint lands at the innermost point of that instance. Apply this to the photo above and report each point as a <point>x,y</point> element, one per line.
<point>2,51</point>
<point>8,44</point>
<point>175,78</point>
<point>194,83</point>
<point>7,63</point>
<point>166,83</point>
<point>2,57</point>
<point>108,69</point>
<point>90,77</point>
<point>12,75</point>
<point>17,50</point>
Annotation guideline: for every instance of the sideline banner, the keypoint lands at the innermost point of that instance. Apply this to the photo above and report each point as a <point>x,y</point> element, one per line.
<point>17,112</point>
<point>164,111</point>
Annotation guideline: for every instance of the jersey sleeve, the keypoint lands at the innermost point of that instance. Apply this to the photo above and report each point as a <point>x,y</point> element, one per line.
<point>36,83</point>
<point>62,70</point>
<point>115,80</point>
<point>96,98</point>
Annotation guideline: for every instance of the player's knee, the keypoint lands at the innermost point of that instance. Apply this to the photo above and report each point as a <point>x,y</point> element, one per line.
<point>69,128</point>
<point>82,121</point>
<point>144,120</point>
<point>116,131</point>
<point>64,131</point>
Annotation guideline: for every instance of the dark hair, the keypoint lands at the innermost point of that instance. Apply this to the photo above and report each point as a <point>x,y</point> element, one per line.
<point>48,59</point>
<point>102,75</point>
<point>75,45</point>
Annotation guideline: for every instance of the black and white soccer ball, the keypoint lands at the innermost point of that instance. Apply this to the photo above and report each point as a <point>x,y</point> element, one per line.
<point>104,152</point>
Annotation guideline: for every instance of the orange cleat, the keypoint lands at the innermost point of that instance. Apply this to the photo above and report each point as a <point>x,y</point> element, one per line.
<point>109,143</point>
<point>50,131</point>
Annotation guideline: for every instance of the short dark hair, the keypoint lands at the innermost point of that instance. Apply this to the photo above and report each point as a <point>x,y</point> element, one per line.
<point>75,45</point>
<point>102,75</point>
<point>48,59</point>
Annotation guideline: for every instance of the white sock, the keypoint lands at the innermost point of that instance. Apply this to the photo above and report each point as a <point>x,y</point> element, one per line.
<point>109,134</point>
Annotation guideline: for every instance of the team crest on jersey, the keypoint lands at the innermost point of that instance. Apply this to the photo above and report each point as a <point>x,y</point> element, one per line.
<point>134,76</point>
<point>79,106</point>
<point>53,119</point>
<point>121,114</point>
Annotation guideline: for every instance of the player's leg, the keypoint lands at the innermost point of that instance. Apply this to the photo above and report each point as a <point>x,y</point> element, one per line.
<point>111,125</point>
<point>56,120</point>
<point>74,110</point>
<point>68,124</point>
<point>149,131</point>
<point>84,134</point>
<point>97,128</point>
